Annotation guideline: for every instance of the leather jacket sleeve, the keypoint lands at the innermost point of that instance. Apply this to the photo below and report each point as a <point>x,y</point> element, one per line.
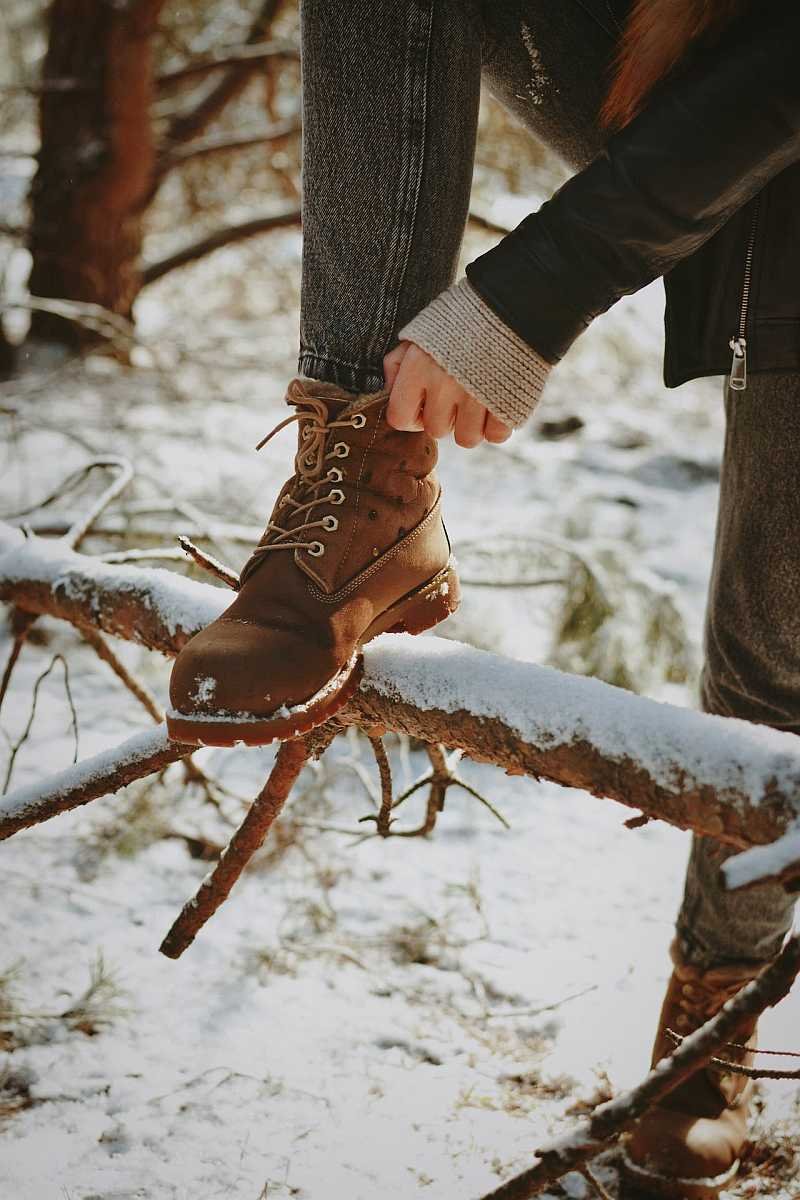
<point>711,136</point>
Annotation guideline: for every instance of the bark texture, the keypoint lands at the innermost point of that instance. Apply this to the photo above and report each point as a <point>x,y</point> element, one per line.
<point>96,160</point>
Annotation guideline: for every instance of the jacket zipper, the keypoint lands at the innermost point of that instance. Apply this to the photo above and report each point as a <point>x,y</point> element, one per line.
<point>738,343</point>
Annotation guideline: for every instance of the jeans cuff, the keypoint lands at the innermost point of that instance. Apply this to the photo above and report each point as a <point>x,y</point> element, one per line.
<point>352,377</point>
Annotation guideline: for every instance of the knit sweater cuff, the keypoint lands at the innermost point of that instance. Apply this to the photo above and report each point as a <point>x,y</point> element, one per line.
<point>481,352</point>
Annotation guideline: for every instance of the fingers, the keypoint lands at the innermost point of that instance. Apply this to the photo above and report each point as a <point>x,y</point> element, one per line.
<point>408,391</point>
<point>470,423</point>
<point>391,363</point>
<point>495,431</point>
<point>424,397</point>
<point>441,408</point>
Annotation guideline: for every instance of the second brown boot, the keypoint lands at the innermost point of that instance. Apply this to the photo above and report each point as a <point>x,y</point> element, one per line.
<point>689,1146</point>
<point>355,547</point>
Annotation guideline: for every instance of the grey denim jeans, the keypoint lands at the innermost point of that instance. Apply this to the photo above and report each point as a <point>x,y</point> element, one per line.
<point>390,108</point>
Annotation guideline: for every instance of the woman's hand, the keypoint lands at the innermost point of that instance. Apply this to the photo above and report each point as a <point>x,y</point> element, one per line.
<point>424,396</point>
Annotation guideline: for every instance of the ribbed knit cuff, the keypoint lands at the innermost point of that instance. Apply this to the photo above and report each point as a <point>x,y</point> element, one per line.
<point>481,352</point>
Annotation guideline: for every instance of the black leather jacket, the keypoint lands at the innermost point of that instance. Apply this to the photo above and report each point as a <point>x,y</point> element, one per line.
<point>703,187</point>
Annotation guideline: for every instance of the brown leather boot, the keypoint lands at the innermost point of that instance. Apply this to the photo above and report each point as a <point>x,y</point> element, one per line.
<point>688,1147</point>
<point>355,547</point>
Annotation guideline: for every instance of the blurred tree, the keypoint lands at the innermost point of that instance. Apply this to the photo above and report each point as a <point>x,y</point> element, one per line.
<point>96,159</point>
<point>101,163</point>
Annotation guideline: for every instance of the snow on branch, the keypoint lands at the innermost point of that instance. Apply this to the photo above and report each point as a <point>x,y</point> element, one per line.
<point>720,777</point>
<point>158,608</point>
<point>139,756</point>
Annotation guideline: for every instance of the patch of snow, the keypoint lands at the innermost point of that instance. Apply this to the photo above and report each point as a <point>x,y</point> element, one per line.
<point>763,862</point>
<point>206,686</point>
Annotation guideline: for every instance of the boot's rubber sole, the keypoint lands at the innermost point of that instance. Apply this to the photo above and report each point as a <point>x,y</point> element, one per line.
<point>638,1183</point>
<point>421,609</point>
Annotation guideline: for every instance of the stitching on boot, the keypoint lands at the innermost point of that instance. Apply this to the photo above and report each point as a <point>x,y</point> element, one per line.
<point>369,571</point>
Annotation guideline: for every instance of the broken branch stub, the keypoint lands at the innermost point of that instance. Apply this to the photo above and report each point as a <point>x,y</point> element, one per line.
<point>215,888</point>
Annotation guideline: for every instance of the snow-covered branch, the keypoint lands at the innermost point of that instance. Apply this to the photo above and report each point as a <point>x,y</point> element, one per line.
<point>139,756</point>
<point>724,778</point>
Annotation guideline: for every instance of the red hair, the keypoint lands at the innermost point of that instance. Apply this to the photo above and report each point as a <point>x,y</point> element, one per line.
<point>657,35</point>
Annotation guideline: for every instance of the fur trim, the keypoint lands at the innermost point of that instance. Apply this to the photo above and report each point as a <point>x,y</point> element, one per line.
<point>657,35</point>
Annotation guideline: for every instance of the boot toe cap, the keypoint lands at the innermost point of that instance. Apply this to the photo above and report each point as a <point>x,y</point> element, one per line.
<point>678,1145</point>
<point>241,668</point>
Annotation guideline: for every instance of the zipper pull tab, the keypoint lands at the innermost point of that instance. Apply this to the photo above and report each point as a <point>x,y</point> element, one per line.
<point>738,376</point>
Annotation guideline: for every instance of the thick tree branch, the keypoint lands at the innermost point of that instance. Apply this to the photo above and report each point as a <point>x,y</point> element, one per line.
<point>215,888</point>
<point>720,777</point>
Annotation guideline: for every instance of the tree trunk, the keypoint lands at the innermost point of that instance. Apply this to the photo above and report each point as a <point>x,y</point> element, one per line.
<point>96,159</point>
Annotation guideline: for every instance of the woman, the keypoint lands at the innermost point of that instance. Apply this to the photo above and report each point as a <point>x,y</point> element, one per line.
<point>682,120</point>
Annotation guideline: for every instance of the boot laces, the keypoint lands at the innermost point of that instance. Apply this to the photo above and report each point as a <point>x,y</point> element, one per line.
<point>310,474</point>
<point>699,1000</point>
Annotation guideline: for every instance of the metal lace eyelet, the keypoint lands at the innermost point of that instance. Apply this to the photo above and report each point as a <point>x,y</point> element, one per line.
<point>335,475</point>
<point>316,549</point>
<point>336,496</point>
<point>330,523</point>
<point>358,421</point>
<point>341,450</point>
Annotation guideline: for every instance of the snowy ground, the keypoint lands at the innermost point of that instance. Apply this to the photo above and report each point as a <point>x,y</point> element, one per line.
<point>388,1019</point>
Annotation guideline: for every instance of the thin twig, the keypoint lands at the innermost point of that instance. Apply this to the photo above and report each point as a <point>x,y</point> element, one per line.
<point>115,328</point>
<point>26,731</point>
<point>733,1068</point>
<point>637,822</point>
<point>595,1183</point>
<point>383,820</point>
<point>133,555</point>
<point>126,677</point>
<point>20,623</point>
<point>536,1012</point>
<point>466,787</point>
<point>440,778</point>
<point>208,563</point>
<point>83,524</point>
<point>236,56</point>
<point>225,143</point>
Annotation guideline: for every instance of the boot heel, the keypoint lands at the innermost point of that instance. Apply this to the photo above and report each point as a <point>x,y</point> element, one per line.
<point>423,609</point>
